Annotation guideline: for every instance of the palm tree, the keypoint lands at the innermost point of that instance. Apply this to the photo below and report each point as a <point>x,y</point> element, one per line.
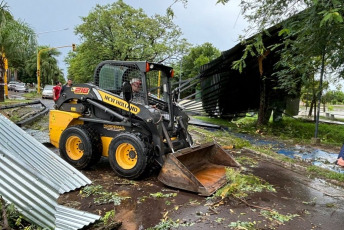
<point>50,72</point>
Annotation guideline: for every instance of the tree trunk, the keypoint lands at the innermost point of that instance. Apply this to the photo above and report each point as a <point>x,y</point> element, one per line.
<point>4,215</point>
<point>264,113</point>
<point>315,110</point>
<point>322,72</point>
<point>310,112</point>
<point>16,75</point>
<point>324,109</point>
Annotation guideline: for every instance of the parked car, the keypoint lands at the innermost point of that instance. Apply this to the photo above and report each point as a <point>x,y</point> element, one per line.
<point>21,87</point>
<point>47,91</point>
<point>12,84</point>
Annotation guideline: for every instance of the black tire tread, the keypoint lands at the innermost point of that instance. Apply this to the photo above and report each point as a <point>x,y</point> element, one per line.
<point>96,147</point>
<point>140,171</point>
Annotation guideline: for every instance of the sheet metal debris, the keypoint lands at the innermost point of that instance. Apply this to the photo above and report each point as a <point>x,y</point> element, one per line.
<point>32,177</point>
<point>30,151</point>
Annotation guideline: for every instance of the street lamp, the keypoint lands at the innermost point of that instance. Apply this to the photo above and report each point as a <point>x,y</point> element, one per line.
<point>51,31</point>
<point>39,63</point>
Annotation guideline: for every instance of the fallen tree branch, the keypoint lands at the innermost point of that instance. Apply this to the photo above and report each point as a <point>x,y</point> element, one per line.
<point>254,206</point>
<point>5,224</point>
<point>327,194</point>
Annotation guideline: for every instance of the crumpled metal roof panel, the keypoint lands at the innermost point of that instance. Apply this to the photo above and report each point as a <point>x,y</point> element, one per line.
<point>22,186</point>
<point>35,196</point>
<point>39,157</point>
<point>69,218</point>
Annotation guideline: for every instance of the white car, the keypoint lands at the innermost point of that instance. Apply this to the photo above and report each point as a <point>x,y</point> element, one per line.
<point>21,87</point>
<point>47,91</point>
<point>12,84</point>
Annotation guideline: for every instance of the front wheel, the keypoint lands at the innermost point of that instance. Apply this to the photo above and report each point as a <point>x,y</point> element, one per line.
<point>80,146</point>
<point>128,155</point>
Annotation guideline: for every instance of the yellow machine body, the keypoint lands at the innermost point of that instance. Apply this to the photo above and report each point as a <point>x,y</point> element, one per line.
<point>58,122</point>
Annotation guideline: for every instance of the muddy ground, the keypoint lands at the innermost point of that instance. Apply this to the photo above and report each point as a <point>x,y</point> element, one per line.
<point>318,205</point>
<point>147,203</point>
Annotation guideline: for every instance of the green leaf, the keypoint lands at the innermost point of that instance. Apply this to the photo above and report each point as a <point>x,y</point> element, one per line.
<point>284,31</point>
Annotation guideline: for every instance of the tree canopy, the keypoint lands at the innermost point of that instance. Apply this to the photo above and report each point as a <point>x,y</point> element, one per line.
<point>312,32</point>
<point>50,72</point>
<point>17,43</point>
<point>17,39</point>
<point>198,56</point>
<point>119,32</point>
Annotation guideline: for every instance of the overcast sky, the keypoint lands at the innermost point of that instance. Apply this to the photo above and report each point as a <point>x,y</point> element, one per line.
<point>201,21</point>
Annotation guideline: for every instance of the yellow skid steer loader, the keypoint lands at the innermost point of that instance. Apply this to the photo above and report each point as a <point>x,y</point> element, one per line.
<point>130,116</point>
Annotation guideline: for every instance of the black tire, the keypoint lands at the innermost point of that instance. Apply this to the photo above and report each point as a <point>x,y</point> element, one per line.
<point>80,146</point>
<point>128,155</point>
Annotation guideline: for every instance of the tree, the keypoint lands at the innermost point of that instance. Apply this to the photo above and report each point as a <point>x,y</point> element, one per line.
<point>198,56</point>
<point>119,32</point>
<point>313,37</point>
<point>17,42</point>
<point>192,62</point>
<point>50,72</point>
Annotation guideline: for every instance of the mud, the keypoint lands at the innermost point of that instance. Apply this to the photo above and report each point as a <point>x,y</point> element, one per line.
<point>319,205</point>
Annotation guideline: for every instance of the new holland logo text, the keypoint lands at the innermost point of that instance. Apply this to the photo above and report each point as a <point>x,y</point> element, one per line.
<point>80,90</point>
<point>119,103</point>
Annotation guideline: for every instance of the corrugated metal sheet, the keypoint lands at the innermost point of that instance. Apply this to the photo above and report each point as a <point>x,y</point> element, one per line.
<point>39,157</point>
<point>36,197</point>
<point>69,218</point>
<point>32,177</point>
<point>28,190</point>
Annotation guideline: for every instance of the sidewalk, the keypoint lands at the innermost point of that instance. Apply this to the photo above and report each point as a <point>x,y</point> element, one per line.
<point>331,115</point>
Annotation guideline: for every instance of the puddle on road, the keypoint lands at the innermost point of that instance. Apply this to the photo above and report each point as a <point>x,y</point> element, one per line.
<point>315,156</point>
<point>311,155</point>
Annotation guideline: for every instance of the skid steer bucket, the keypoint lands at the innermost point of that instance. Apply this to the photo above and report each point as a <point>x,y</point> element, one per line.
<point>200,169</point>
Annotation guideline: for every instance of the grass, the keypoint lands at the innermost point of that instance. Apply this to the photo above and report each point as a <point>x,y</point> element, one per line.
<point>101,196</point>
<point>14,218</point>
<point>291,129</point>
<point>324,173</point>
<point>41,124</point>
<point>167,224</point>
<point>13,101</point>
<point>223,138</point>
<point>288,129</point>
<point>32,95</point>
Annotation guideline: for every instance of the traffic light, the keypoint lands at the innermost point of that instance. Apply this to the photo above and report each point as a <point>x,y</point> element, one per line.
<point>74,47</point>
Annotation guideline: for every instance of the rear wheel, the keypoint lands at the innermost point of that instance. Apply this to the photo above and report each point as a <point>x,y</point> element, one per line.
<point>128,155</point>
<point>80,146</point>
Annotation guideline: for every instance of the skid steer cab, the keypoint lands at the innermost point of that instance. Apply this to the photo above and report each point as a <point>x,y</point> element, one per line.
<point>130,116</point>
